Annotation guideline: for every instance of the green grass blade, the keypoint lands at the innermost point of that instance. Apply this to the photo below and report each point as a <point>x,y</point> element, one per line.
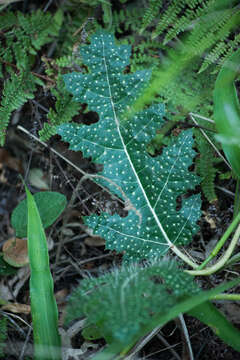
<point>208,314</point>
<point>47,343</point>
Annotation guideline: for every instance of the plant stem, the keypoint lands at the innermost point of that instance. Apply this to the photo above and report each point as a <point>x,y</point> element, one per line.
<point>237,199</point>
<point>110,352</point>
<point>223,260</point>
<point>234,259</point>
<point>226,297</point>
<point>221,242</point>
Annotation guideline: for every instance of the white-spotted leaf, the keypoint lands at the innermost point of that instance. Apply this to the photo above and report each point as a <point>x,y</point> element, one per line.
<point>150,186</point>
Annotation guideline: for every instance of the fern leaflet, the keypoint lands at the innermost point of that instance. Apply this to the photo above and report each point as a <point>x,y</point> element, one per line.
<point>65,109</point>
<point>17,90</point>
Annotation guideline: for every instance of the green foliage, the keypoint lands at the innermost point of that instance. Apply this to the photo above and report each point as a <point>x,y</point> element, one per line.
<point>127,20</point>
<point>25,34</point>
<point>175,77</point>
<point>227,111</point>
<point>179,85</point>
<point>204,18</point>
<point>89,7</point>
<point>221,48</point>
<point>5,268</point>
<point>3,334</point>
<point>149,186</point>
<point>17,90</point>
<point>188,91</point>
<point>50,205</point>
<point>145,51</point>
<point>205,166</point>
<point>151,13</point>
<point>194,44</point>
<point>22,36</point>
<point>65,109</point>
<point>126,304</point>
<point>76,28</point>
<point>129,297</point>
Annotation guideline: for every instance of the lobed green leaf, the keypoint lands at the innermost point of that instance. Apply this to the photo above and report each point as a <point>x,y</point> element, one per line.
<point>149,186</point>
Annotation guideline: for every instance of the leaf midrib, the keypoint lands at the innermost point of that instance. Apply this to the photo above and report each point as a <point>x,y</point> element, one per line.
<point>127,155</point>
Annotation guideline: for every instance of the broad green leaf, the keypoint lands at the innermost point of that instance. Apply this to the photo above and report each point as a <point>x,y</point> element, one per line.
<point>133,300</point>
<point>123,301</point>
<point>149,186</point>
<point>5,268</point>
<point>50,205</point>
<point>208,314</point>
<point>91,333</point>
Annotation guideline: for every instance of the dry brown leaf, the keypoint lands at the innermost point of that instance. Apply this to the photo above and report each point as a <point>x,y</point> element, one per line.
<point>15,252</point>
<point>94,241</point>
<point>209,220</point>
<point>17,308</point>
<point>38,179</point>
<point>10,161</point>
<point>61,295</point>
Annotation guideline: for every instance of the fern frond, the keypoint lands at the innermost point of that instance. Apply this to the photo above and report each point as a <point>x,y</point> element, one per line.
<point>220,53</point>
<point>64,61</point>
<point>127,19</point>
<point>17,90</point>
<point>202,19</point>
<point>26,34</point>
<point>23,36</point>
<point>40,26</point>
<point>150,14</point>
<point>205,34</point>
<point>7,20</point>
<point>205,166</point>
<point>65,109</point>
<point>208,28</point>
<point>183,21</point>
<point>170,16</point>
<point>126,23</point>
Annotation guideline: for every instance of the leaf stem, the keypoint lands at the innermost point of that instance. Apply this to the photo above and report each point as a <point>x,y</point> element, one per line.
<point>223,260</point>
<point>221,242</point>
<point>237,199</point>
<point>226,297</point>
<point>184,257</point>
